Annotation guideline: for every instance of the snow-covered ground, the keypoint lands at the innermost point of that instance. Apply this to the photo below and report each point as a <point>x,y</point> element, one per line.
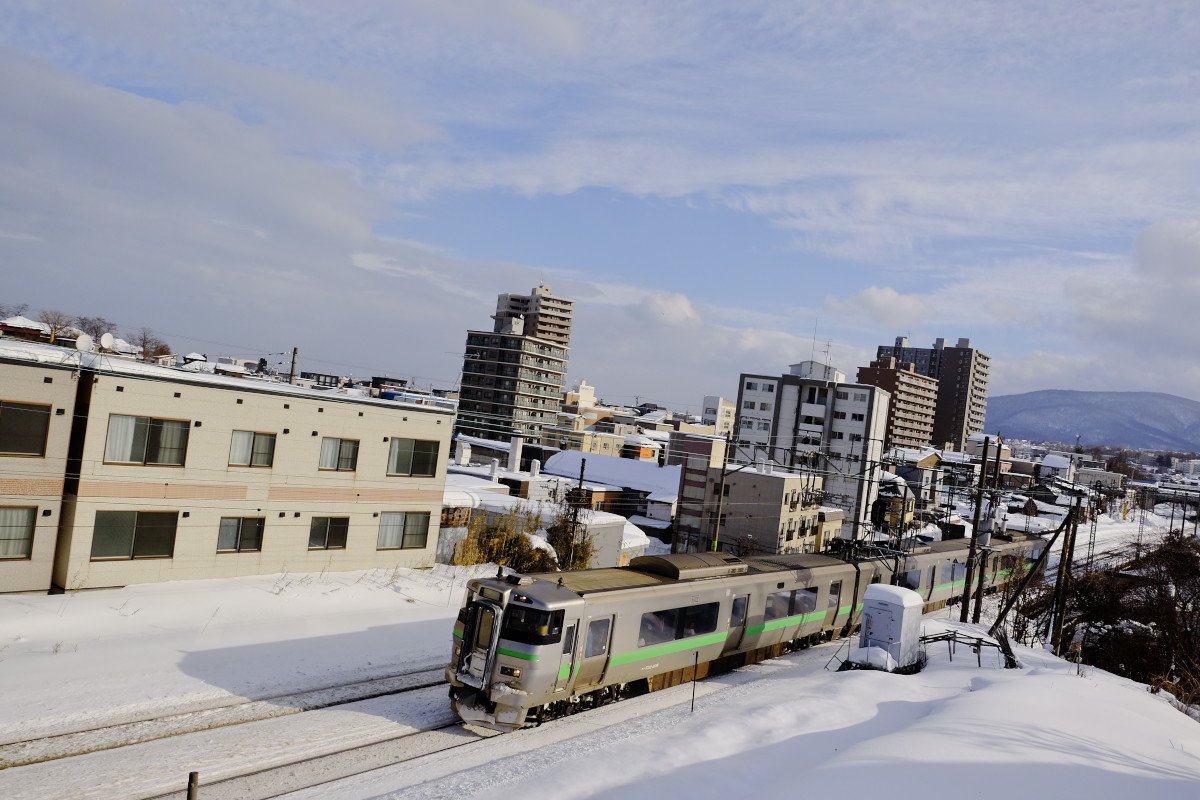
<point>789,727</point>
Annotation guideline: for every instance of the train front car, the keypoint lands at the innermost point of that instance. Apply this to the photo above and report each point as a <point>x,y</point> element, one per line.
<point>508,648</point>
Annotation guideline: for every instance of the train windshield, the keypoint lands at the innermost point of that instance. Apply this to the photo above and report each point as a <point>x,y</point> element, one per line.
<point>531,625</point>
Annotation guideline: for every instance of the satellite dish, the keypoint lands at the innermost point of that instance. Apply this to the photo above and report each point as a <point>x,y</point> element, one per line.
<point>106,341</point>
<point>84,343</point>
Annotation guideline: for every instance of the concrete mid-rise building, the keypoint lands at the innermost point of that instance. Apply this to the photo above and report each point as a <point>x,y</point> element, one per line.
<point>513,376</point>
<point>764,510</point>
<point>913,405</point>
<point>720,413</point>
<point>811,417</point>
<point>962,372</point>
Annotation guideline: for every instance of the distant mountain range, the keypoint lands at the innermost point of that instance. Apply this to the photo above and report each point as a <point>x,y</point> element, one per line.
<point>1139,420</point>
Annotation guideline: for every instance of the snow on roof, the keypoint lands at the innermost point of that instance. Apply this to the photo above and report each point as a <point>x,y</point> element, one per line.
<point>643,476</point>
<point>632,536</point>
<point>647,522</point>
<point>910,455</point>
<point>642,440</point>
<point>36,352</point>
<point>25,323</point>
<point>1056,462</point>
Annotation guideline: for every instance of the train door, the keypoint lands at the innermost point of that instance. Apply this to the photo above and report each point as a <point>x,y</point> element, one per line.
<point>566,662</point>
<point>737,623</point>
<point>481,635</point>
<point>596,646</point>
<point>833,604</point>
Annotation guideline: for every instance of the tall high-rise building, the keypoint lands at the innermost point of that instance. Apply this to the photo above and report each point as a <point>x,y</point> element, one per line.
<point>914,401</point>
<point>810,417</point>
<point>513,376</point>
<point>962,373</point>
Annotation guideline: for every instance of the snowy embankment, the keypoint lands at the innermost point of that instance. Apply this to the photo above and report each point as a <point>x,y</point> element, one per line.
<point>781,728</point>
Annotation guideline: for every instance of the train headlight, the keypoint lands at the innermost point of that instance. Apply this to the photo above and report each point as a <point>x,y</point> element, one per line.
<point>511,672</point>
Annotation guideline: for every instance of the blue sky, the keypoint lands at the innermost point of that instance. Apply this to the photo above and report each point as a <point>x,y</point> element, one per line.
<point>712,183</point>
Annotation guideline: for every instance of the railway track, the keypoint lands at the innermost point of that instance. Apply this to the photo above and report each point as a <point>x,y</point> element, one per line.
<point>264,784</point>
<point>107,737</point>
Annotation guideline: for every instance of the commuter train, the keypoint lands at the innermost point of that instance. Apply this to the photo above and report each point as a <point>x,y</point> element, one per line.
<point>527,648</point>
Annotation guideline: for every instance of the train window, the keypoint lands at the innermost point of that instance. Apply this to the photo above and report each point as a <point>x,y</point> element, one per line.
<point>737,617</point>
<point>597,638</point>
<point>699,620</point>
<point>806,600</point>
<point>835,595</point>
<point>779,605</point>
<point>531,625</point>
<point>912,579</point>
<point>957,572</point>
<point>569,639</point>
<point>658,627</point>
<point>679,623</point>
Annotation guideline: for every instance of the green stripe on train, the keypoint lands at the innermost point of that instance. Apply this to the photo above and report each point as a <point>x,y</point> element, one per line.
<point>669,648</point>
<point>950,585</point>
<point>506,652</point>
<point>786,622</point>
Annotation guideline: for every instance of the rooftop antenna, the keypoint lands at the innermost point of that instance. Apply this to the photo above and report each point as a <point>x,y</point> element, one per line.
<point>107,340</point>
<point>813,356</point>
<point>84,343</point>
<point>828,346</point>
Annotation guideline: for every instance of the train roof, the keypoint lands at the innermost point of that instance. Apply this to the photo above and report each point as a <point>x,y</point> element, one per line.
<point>791,561</point>
<point>679,567</point>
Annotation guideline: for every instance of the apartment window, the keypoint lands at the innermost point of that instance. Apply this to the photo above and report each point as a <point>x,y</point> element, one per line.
<point>145,440</point>
<point>328,533</point>
<point>837,435</point>
<point>134,534</point>
<point>747,423</point>
<point>250,449</point>
<point>843,395</point>
<point>768,387</point>
<point>856,437</point>
<point>748,405</point>
<point>403,530</point>
<point>16,532</point>
<point>764,406</point>
<point>860,397</point>
<point>23,428</point>
<point>839,415</point>
<point>413,457</point>
<point>240,534</point>
<point>339,454</point>
<point>751,386</point>
<point>764,425</point>
<point>858,417</point>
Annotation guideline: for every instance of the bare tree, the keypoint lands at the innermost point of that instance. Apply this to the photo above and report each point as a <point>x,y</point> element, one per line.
<point>94,326</point>
<point>13,310</point>
<point>57,321</point>
<point>151,346</point>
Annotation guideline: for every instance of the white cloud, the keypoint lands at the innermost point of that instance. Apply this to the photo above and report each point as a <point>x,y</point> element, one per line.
<point>883,306</point>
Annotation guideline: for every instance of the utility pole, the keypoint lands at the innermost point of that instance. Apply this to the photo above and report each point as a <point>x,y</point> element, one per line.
<point>575,504</point>
<point>716,540</point>
<point>292,371</point>
<point>966,596</point>
<point>977,611</point>
<point>1062,583</point>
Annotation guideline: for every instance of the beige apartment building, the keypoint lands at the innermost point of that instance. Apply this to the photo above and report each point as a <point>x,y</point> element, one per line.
<point>172,475</point>
<point>36,401</point>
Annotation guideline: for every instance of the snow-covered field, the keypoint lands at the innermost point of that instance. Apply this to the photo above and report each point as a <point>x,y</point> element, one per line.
<point>788,727</point>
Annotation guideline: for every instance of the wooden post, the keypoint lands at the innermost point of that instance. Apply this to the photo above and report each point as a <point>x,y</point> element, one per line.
<point>193,790</point>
